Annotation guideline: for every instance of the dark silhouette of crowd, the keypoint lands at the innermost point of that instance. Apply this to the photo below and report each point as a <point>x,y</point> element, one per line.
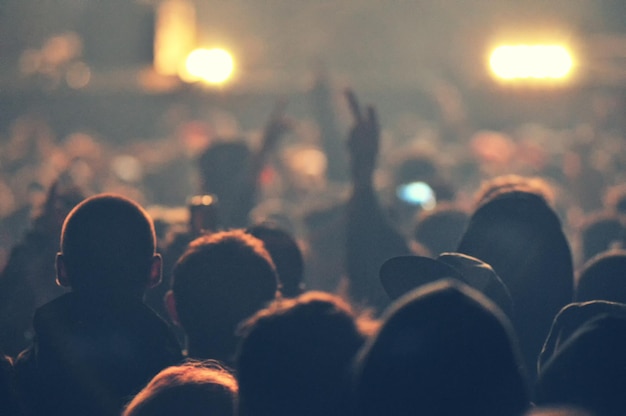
<point>272,298</point>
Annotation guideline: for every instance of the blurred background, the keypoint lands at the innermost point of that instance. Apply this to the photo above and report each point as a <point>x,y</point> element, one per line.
<point>123,95</point>
<point>392,52</point>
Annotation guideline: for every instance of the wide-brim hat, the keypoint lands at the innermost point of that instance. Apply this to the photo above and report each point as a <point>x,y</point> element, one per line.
<point>400,275</point>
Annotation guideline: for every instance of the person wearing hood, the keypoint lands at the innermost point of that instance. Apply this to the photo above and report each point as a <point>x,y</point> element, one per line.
<point>517,232</point>
<point>443,349</point>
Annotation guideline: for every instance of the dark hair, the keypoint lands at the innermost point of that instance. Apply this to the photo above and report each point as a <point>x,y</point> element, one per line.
<point>504,184</point>
<point>220,280</point>
<point>603,278</point>
<point>108,243</point>
<point>286,255</point>
<point>295,357</point>
<point>599,232</point>
<point>440,230</point>
<point>443,349</point>
<point>221,166</point>
<point>194,388</point>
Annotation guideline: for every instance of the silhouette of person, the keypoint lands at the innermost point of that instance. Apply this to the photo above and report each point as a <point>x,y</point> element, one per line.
<point>97,345</point>
<point>222,279</point>
<point>443,349</point>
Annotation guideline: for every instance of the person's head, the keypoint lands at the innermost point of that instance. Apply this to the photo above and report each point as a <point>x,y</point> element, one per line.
<point>570,319</point>
<point>295,356</point>
<point>443,349</point>
<point>603,278</point>
<point>221,166</point>
<point>589,369</point>
<point>521,237</point>
<point>440,230</point>
<point>194,388</point>
<point>219,281</point>
<point>501,185</point>
<point>108,245</point>
<point>286,255</point>
<point>600,232</point>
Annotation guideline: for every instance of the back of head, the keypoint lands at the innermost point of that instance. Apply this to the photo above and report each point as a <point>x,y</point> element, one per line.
<point>286,255</point>
<point>570,319</point>
<point>295,357</point>
<point>603,278</point>
<point>193,389</point>
<point>220,280</point>
<point>515,233</point>
<point>589,370</point>
<point>502,185</point>
<point>601,232</point>
<point>520,236</point>
<point>441,229</point>
<point>221,166</point>
<point>108,244</point>
<point>442,350</point>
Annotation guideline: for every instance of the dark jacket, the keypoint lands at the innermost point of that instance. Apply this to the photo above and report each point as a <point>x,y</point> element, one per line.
<point>92,354</point>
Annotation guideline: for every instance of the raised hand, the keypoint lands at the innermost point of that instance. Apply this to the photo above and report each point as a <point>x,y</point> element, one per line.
<point>275,128</point>
<point>363,141</point>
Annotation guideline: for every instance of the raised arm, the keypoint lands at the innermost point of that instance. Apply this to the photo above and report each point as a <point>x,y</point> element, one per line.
<point>370,238</point>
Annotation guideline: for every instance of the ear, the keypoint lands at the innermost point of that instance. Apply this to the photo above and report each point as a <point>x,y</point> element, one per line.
<point>170,305</point>
<point>62,279</point>
<point>156,271</point>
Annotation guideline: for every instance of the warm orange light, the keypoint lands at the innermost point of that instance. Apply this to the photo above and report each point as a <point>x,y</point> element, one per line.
<point>175,35</point>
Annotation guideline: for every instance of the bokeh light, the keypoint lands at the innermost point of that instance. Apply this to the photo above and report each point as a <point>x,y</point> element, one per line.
<point>417,193</point>
<point>214,66</point>
<point>539,62</point>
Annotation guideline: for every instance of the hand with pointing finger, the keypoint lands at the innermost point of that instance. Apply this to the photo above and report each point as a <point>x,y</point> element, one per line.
<point>363,142</point>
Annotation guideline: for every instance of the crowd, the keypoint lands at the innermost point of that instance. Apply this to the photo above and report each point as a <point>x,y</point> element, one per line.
<point>465,273</point>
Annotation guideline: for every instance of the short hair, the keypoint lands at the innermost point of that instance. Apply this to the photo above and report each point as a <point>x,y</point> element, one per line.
<point>220,280</point>
<point>286,256</point>
<point>603,278</point>
<point>600,232</point>
<point>194,388</point>
<point>505,184</point>
<point>221,166</point>
<point>441,229</point>
<point>108,243</point>
<point>295,357</point>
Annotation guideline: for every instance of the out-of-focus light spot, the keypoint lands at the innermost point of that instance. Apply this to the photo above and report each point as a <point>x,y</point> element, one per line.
<point>78,75</point>
<point>205,199</point>
<point>417,193</point>
<point>175,35</point>
<point>540,62</point>
<point>127,168</point>
<point>213,66</point>
<point>309,162</point>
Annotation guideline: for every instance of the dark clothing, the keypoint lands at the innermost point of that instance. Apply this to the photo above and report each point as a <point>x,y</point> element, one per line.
<point>91,354</point>
<point>9,404</point>
<point>589,370</point>
<point>26,282</point>
<point>370,242</point>
<point>520,236</point>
